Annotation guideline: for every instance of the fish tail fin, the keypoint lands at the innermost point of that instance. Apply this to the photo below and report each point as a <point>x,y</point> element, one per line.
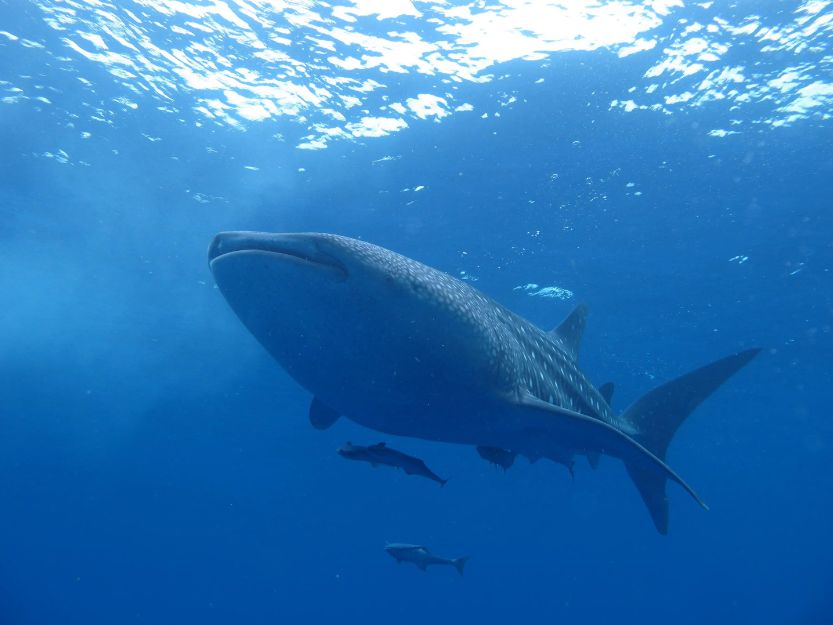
<point>657,415</point>
<point>443,482</point>
<point>459,563</point>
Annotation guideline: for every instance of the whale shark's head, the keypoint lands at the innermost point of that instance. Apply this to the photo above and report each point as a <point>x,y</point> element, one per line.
<point>249,265</point>
<point>321,303</point>
<point>290,290</point>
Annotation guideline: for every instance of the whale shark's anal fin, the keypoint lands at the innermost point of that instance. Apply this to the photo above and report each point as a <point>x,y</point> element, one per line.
<point>321,416</point>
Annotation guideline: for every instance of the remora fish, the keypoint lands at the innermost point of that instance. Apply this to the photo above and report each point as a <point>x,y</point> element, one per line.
<point>382,454</point>
<point>408,350</point>
<point>504,458</point>
<point>422,557</point>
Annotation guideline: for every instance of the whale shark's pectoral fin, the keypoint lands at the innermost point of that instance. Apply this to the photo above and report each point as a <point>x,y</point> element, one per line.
<point>321,416</point>
<point>573,430</point>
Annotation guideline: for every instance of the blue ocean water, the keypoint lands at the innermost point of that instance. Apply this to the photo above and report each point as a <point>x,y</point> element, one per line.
<point>667,163</point>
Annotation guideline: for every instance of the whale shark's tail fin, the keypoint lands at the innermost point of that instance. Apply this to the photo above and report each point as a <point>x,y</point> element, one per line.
<point>459,563</point>
<point>657,415</point>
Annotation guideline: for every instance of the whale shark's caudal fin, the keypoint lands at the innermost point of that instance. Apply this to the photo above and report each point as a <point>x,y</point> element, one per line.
<point>657,415</point>
<point>459,563</point>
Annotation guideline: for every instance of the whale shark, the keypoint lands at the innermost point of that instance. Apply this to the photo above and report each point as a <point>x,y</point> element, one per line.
<point>407,350</point>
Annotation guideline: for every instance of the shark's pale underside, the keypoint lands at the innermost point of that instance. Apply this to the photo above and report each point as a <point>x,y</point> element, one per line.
<point>404,349</point>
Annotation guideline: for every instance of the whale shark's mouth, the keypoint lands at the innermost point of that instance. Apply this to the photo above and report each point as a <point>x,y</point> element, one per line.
<point>294,248</point>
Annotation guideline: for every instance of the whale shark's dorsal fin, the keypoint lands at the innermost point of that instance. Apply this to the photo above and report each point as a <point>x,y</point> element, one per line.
<point>321,416</point>
<point>568,334</point>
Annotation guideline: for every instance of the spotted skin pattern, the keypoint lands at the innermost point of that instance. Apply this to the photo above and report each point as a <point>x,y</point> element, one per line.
<point>523,357</point>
